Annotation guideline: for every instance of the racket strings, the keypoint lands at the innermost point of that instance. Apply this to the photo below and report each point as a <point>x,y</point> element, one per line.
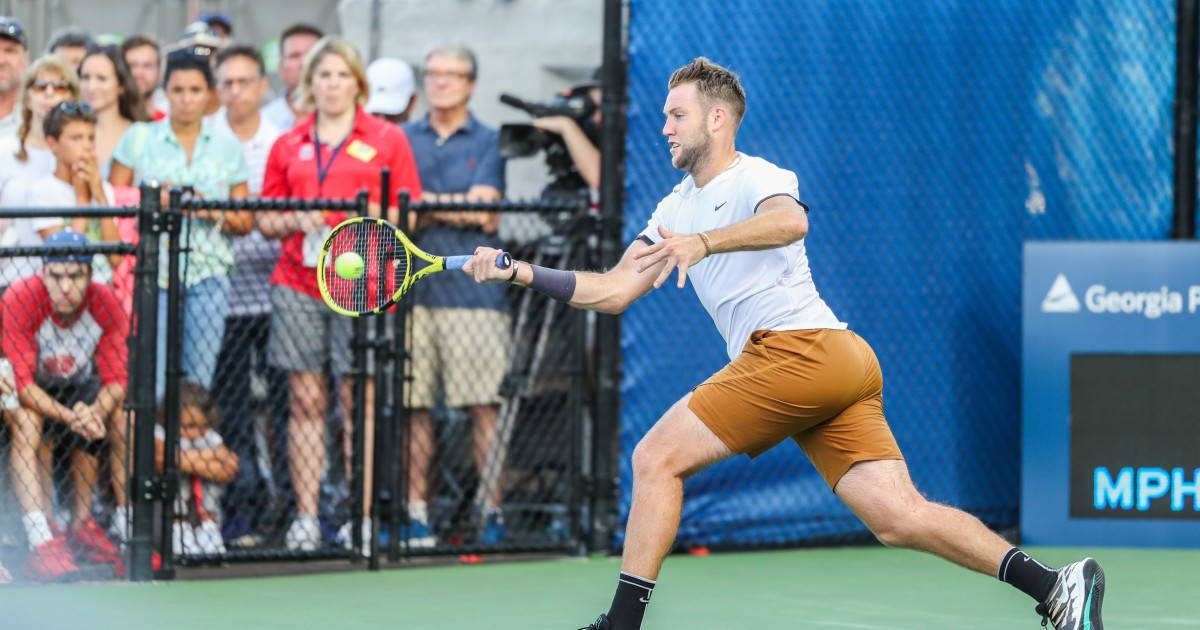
<point>384,271</point>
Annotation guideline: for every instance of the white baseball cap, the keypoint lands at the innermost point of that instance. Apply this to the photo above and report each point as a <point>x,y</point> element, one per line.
<point>392,83</point>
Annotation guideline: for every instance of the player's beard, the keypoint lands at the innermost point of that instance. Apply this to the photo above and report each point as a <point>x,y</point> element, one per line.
<point>693,157</point>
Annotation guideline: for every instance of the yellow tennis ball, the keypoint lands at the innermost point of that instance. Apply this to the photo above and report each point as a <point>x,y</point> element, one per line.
<point>349,265</point>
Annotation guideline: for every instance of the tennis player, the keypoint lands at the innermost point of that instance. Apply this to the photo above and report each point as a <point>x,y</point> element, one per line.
<point>735,223</point>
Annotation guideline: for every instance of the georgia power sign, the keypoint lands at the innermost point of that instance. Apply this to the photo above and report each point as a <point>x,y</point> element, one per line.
<point>1110,393</point>
<point>1100,299</point>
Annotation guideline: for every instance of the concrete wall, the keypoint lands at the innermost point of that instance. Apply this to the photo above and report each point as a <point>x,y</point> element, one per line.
<point>529,48</point>
<point>255,22</point>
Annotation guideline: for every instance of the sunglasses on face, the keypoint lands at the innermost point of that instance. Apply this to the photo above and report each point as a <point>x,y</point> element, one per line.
<point>44,87</point>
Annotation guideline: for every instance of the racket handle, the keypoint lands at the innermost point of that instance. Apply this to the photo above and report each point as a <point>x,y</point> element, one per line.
<point>454,263</point>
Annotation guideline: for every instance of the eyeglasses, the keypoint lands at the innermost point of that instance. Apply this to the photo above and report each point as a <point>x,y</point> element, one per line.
<point>58,87</point>
<point>433,75</point>
<point>11,28</point>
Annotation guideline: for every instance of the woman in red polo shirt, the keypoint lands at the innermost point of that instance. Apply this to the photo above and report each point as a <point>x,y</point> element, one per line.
<point>336,152</point>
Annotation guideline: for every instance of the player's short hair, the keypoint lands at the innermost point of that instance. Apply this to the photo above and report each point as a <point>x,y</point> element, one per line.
<point>69,36</point>
<point>714,83</point>
<point>66,112</point>
<point>194,57</point>
<point>240,50</point>
<point>137,41</point>
<point>197,396</point>
<point>454,50</point>
<point>299,28</point>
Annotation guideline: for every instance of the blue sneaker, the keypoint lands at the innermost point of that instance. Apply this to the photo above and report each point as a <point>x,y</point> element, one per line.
<point>1074,603</point>
<point>418,535</point>
<point>494,531</point>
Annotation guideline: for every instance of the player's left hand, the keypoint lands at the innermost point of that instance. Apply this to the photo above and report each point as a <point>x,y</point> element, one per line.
<point>679,250</point>
<point>482,266</point>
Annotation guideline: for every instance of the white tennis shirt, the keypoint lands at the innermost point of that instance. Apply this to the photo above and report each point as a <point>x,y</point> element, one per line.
<point>770,289</point>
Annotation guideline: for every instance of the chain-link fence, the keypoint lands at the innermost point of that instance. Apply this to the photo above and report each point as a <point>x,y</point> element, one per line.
<point>930,139</point>
<point>64,328</point>
<point>244,455</point>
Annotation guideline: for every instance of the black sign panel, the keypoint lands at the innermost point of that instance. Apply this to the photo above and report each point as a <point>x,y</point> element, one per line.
<point>1135,436</point>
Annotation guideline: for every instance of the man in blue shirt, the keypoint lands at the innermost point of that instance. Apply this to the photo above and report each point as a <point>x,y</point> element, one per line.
<point>461,331</point>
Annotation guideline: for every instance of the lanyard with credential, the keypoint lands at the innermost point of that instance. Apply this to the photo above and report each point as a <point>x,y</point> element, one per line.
<point>323,171</point>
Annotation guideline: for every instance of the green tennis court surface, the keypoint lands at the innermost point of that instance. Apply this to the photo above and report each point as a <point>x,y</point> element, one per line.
<point>864,588</point>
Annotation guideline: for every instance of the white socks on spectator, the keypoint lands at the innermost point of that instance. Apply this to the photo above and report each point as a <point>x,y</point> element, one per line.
<point>37,529</point>
<point>120,523</point>
<point>419,511</point>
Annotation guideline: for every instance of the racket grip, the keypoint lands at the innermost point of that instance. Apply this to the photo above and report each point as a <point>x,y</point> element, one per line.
<point>454,263</point>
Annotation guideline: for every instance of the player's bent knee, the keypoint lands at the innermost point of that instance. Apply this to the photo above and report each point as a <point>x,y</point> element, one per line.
<point>903,525</point>
<point>651,461</point>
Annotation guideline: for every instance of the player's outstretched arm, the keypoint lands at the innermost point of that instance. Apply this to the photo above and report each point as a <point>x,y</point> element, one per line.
<point>609,292</point>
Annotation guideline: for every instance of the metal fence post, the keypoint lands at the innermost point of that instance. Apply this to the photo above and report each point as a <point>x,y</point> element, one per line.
<point>397,471</point>
<point>173,214</point>
<point>608,328</point>
<point>381,500</point>
<point>143,491</point>
<point>359,413</point>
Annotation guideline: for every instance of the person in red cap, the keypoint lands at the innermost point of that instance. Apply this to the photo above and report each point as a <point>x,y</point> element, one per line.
<point>66,338</point>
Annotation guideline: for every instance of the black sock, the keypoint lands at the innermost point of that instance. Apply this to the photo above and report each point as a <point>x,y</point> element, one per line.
<point>1030,576</point>
<point>629,604</point>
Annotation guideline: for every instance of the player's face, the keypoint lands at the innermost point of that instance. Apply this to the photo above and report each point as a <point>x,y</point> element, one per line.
<point>13,60</point>
<point>143,65</point>
<point>47,90</point>
<point>448,82</point>
<point>686,128</point>
<point>70,54</point>
<point>187,91</point>
<point>98,82</point>
<point>192,423</point>
<point>77,142</point>
<point>292,52</point>
<point>334,86</point>
<point>240,86</point>
<point>66,283</point>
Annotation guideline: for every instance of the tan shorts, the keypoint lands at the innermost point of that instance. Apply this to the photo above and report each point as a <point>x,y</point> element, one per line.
<point>820,387</point>
<point>461,351</point>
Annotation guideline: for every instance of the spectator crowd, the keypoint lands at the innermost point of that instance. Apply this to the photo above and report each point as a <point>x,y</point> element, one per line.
<point>265,392</point>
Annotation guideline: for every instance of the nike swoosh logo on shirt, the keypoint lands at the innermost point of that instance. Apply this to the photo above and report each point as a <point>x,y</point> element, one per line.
<point>719,205</point>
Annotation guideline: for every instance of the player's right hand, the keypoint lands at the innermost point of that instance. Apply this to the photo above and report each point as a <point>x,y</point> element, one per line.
<point>86,422</point>
<point>482,266</point>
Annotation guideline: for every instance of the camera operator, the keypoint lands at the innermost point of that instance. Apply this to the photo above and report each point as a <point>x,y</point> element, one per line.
<point>582,148</point>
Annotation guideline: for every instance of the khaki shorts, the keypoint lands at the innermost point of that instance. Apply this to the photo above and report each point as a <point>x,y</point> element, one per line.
<point>461,351</point>
<point>820,387</point>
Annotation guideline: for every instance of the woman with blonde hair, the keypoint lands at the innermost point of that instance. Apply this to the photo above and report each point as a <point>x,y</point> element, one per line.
<point>47,82</point>
<point>338,150</point>
<point>25,158</point>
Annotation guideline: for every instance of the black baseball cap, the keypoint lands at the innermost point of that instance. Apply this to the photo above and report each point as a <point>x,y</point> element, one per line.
<point>10,28</point>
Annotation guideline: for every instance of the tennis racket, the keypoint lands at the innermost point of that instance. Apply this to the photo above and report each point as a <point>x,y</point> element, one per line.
<point>388,266</point>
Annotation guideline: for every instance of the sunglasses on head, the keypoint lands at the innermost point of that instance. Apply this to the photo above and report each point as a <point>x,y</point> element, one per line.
<point>190,53</point>
<point>74,108</point>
